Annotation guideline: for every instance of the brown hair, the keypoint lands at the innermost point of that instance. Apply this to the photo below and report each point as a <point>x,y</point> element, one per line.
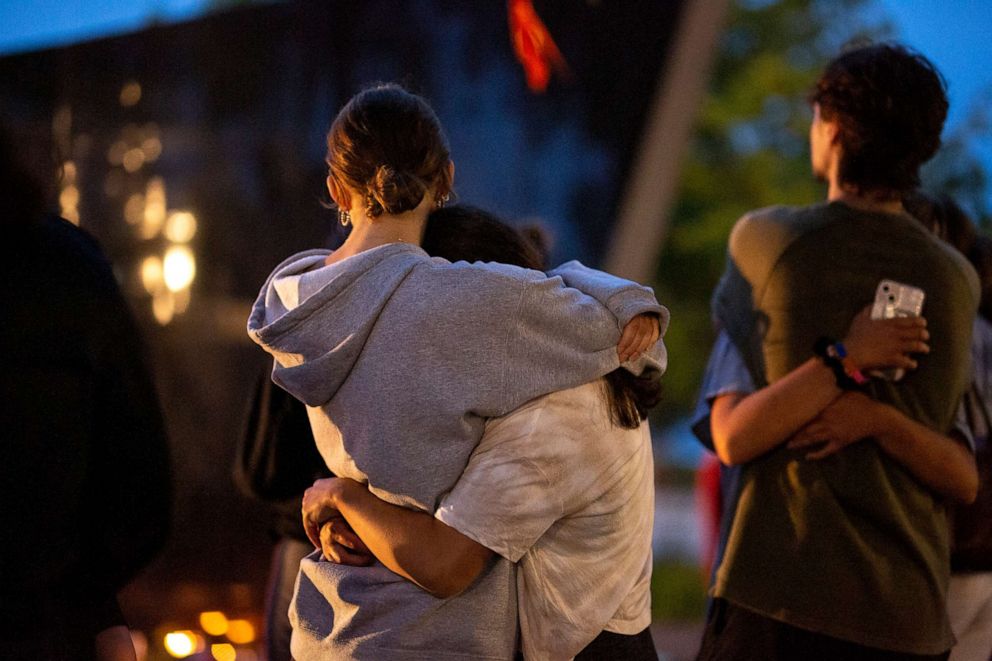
<point>387,144</point>
<point>463,233</point>
<point>889,103</point>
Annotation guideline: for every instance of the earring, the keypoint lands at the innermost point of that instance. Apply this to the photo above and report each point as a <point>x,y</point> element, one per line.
<point>344,217</point>
<point>442,200</point>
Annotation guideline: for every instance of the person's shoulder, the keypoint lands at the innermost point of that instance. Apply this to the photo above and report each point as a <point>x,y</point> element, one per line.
<point>947,263</point>
<point>486,287</point>
<point>767,227</point>
<point>494,273</point>
<point>76,254</point>
<point>760,237</point>
<point>585,412</point>
<point>963,269</point>
<point>559,410</point>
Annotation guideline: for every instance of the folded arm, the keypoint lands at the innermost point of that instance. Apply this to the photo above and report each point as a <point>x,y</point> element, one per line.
<point>940,462</point>
<point>345,519</point>
<point>745,426</point>
<point>637,311</point>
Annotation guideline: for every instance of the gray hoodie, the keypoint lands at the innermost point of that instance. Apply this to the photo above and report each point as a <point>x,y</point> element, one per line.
<point>400,358</point>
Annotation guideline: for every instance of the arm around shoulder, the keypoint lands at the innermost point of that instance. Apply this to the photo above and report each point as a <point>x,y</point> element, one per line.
<point>625,299</point>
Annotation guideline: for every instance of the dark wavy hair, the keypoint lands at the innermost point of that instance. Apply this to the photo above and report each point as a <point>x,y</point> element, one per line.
<point>388,145</point>
<point>464,233</point>
<point>890,104</point>
<point>944,217</point>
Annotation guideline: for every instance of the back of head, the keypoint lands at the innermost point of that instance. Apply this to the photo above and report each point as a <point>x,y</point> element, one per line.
<point>464,233</point>
<point>889,104</point>
<point>944,217</point>
<point>948,221</point>
<point>387,145</point>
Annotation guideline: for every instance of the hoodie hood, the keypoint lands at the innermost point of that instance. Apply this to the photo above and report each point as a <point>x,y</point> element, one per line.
<point>315,319</point>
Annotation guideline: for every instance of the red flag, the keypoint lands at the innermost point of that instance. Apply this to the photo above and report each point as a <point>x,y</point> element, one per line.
<point>533,45</point>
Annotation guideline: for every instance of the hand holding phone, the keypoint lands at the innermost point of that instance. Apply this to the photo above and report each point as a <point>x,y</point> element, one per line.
<point>895,299</point>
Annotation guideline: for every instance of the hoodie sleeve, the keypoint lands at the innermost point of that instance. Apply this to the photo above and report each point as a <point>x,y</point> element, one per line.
<point>559,337</point>
<point>623,298</point>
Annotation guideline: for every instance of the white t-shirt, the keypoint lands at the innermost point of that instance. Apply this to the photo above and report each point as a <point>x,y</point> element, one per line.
<point>556,487</point>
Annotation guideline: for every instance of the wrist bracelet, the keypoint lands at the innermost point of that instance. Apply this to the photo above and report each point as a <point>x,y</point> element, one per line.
<point>834,356</point>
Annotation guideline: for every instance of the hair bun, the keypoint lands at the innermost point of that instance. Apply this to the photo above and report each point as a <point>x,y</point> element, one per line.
<point>393,191</point>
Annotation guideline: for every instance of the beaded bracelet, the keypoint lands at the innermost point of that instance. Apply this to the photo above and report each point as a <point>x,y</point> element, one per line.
<point>834,356</point>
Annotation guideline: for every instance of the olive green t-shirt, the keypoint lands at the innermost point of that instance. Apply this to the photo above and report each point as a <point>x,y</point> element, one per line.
<point>851,546</point>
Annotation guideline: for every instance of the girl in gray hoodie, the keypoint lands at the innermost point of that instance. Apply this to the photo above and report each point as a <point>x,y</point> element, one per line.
<point>401,358</point>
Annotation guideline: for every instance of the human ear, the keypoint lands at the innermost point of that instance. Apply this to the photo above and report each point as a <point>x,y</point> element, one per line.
<point>832,131</point>
<point>338,193</point>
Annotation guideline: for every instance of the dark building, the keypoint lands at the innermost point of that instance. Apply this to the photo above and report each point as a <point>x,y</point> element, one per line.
<point>194,152</point>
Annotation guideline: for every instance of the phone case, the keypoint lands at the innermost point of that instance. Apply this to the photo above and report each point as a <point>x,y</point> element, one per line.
<point>895,299</point>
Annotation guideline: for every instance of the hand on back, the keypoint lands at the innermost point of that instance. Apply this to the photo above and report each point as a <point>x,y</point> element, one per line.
<point>328,530</point>
<point>341,545</point>
<point>848,419</point>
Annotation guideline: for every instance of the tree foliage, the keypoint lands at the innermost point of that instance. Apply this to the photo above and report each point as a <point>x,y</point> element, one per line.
<point>749,151</point>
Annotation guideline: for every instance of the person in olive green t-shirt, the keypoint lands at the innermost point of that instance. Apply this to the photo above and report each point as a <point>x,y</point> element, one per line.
<point>838,547</point>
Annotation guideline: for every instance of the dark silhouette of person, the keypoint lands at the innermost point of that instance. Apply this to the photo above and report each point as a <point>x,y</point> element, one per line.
<point>84,479</point>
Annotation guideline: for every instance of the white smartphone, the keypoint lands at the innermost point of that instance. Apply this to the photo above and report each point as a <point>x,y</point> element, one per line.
<point>895,299</point>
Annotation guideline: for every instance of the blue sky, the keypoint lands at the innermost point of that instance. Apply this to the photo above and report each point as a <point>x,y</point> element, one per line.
<point>955,34</point>
<point>31,24</point>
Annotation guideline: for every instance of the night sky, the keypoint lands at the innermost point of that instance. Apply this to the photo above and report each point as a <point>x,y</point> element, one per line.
<point>952,33</point>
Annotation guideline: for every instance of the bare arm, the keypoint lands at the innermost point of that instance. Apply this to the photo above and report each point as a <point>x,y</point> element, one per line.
<point>746,426</point>
<point>411,543</point>
<point>940,462</point>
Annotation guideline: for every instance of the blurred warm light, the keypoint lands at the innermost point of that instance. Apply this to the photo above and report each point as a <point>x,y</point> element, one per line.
<point>69,197</point>
<point>241,632</point>
<point>133,159</point>
<point>69,172</point>
<point>134,209</point>
<point>180,227</point>
<point>180,644</point>
<point>223,652</point>
<point>151,274</point>
<point>163,306</point>
<point>130,93</point>
<point>69,204</point>
<point>116,152</point>
<point>155,190</point>
<point>152,148</point>
<point>154,216</point>
<point>180,301</point>
<point>180,269</point>
<point>213,622</point>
